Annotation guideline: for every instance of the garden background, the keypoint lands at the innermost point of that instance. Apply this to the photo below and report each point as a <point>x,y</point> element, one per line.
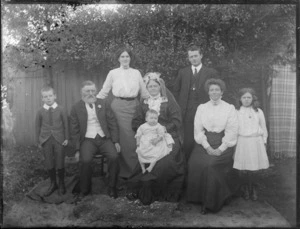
<point>64,44</point>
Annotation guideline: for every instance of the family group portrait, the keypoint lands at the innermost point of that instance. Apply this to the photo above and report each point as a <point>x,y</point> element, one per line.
<point>148,115</point>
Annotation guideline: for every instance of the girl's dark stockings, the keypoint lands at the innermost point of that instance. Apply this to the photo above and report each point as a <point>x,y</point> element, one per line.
<point>248,185</point>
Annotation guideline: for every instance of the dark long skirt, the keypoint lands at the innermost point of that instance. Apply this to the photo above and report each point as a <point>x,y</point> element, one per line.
<point>207,179</point>
<point>164,182</point>
<point>124,111</point>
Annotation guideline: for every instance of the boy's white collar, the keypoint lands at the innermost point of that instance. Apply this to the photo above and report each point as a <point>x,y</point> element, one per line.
<point>54,105</point>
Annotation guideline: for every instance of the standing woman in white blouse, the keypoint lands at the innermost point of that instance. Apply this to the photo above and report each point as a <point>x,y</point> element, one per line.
<point>126,84</point>
<point>215,132</point>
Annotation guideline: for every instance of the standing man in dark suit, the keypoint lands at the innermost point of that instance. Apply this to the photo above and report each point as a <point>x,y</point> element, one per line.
<point>189,93</point>
<point>94,128</point>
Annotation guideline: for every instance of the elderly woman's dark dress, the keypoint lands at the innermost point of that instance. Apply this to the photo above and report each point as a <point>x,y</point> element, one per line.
<point>165,181</point>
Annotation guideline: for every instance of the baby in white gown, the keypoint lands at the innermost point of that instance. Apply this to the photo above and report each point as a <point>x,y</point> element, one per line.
<point>153,141</point>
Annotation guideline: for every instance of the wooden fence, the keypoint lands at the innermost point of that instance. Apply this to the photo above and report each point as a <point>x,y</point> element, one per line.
<point>25,96</point>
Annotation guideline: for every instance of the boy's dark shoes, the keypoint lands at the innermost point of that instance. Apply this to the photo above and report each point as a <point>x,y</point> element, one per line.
<point>112,192</point>
<point>203,210</point>
<point>227,201</point>
<point>61,188</point>
<point>78,198</point>
<point>131,196</point>
<point>254,193</point>
<point>120,188</point>
<point>52,188</point>
<point>53,185</point>
<point>61,182</point>
<point>70,160</point>
<point>246,194</point>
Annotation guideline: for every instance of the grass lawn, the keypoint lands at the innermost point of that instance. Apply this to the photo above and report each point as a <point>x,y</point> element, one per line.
<point>278,187</point>
<point>23,168</point>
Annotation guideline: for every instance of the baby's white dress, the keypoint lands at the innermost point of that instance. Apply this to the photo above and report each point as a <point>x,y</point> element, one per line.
<point>147,152</point>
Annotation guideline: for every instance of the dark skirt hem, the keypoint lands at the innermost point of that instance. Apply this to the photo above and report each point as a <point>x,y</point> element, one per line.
<point>148,195</point>
<point>207,175</point>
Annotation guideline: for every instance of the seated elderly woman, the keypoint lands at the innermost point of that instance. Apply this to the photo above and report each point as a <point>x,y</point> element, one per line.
<point>215,133</point>
<point>165,181</point>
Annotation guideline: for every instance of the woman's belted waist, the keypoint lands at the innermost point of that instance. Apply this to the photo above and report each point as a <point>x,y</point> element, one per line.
<point>251,135</point>
<point>212,132</point>
<point>127,98</point>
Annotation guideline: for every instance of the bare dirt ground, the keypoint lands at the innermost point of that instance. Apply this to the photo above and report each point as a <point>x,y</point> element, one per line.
<point>278,188</point>
<point>23,169</point>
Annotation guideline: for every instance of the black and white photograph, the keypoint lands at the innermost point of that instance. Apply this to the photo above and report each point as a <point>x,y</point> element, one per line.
<point>134,114</point>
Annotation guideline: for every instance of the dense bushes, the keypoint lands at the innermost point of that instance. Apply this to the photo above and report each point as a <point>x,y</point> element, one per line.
<point>236,39</point>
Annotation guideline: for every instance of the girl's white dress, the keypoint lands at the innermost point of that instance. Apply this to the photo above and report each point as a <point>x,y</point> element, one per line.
<point>147,152</point>
<point>250,153</point>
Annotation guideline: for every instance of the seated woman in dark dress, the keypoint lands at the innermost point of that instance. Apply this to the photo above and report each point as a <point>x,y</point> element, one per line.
<point>165,181</point>
<point>215,133</point>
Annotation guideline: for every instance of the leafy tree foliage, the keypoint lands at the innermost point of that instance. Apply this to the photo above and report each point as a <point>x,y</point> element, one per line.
<point>236,39</point>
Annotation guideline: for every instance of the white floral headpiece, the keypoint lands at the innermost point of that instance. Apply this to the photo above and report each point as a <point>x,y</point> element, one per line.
<point>156,77</point>
<point>151,76</point>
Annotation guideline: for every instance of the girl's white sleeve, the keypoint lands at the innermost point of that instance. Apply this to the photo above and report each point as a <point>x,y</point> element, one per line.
<point>262,123</point>
<point>106,87</point>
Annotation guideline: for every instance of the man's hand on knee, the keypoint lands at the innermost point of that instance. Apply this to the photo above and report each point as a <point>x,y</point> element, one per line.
<point>118,147</point>
<point>77,154</point>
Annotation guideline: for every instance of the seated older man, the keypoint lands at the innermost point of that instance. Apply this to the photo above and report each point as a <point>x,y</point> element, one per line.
<point>94,129</point>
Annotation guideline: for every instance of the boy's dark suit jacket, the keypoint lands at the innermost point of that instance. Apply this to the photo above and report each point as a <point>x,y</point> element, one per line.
<point>59,128</point>
<point>182,86</point>
<point>78,122</point>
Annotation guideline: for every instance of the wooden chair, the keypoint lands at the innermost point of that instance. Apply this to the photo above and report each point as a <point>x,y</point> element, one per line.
<point>99,159</point>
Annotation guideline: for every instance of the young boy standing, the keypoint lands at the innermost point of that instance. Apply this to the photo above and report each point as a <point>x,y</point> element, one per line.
<point>53,134</point>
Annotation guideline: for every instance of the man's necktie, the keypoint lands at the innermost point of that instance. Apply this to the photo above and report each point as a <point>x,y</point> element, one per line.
<point>91,106</point>
<point>195,72</point>
<point>194,75</point>
<point>50,116</point>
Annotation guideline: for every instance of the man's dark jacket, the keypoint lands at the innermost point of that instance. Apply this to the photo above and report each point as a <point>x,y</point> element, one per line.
<point>78,122</point>
<point>182,86</point>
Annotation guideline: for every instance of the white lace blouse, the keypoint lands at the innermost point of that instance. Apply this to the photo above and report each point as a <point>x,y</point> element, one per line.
<point>124,83</point>
<point>252,123</point>
<point>216,117</point>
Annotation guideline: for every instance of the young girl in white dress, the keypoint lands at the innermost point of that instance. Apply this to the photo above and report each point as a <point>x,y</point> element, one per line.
<point>250,154</point>
<point>153,142</point>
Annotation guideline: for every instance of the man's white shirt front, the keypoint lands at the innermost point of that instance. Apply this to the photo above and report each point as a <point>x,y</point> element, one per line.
<point>93,124</point>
